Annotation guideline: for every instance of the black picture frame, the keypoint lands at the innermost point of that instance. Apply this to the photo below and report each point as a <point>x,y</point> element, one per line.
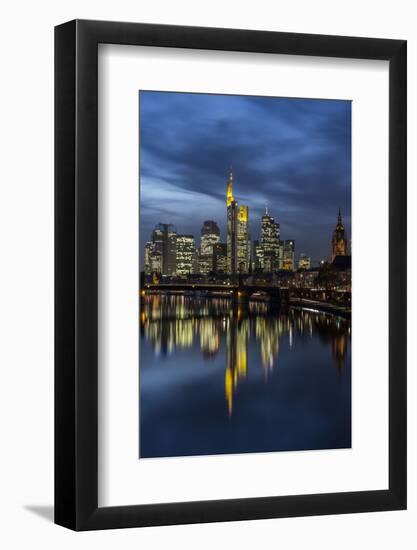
<point>76,272</point>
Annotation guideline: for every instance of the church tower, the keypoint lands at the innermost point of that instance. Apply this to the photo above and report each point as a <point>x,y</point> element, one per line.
<point>339,242</point>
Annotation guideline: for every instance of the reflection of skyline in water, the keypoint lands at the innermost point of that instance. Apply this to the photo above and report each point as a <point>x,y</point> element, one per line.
<point>172,324</point>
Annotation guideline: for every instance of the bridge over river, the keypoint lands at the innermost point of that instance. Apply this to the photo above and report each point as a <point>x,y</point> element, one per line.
<point>327,300</point>
<point>240,292</point>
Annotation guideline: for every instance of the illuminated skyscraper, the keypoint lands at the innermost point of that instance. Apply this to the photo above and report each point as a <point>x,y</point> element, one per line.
<point>289,255</point>
<point>242,239</point>
<point>232,207</point>
<point>281,255</point>
<point>258,256</point>
<point>220,258</point>
<point>339,242</point>
<point>270,233</point>
<point>164,238</point>
<point>152,259</point>
<point>237,233</point>
<point>185,254</point>
<point>304,262</point>
<point>205,263</point>
<point>210,235</point>
<point>196,265</point>
<point>147,257</point>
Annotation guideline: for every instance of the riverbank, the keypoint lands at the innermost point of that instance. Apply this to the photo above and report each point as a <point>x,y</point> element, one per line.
<point>305,303</point>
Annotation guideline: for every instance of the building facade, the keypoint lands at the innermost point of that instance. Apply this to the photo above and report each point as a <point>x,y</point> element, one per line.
<point>258,256</point>
<point>289,255</point>
<point>185,254</point>
<point>210,235</point>
<point>152,259</point>
<point>231,241</point>
<point>237,233</point>
<point>304,262</point>
<point>147,257</point>
<point>164,250</point>
<point>220,258</point>
<point>242,238</point>
<point>205,263</point>
<point>270,233</point>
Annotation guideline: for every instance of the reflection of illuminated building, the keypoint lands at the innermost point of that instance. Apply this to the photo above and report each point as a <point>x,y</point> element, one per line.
<point>175,323</point>
<point>209,337</point>
<point>268,333</point>
<point>236,357</point>
<point>183,333</point>
<point>339,349</point>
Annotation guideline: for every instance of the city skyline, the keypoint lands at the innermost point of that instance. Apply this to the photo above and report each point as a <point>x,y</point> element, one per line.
<point>300,164</point>
<point>171,253</point>
<point>245,289</point>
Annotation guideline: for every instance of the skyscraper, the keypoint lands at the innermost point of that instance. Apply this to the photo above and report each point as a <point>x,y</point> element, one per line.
<point>281,255</point>
<point>237,233</point>
<point>210,235</point>
<point>220,258</point>
<point>258,256</point>
<point>270,233</point>
<point>242,238</point>
<point>304,262</point>
<point>185,254</point>
<point>289,255</point>
<point>152,259</point>
<point>147,257</point>
<point>231,243</point>
<point>339,242</point>
<point>205,263</point>
<point>164,238</point>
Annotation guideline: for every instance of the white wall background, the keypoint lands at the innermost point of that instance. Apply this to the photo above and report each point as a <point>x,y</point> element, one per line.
<point>26,274</point>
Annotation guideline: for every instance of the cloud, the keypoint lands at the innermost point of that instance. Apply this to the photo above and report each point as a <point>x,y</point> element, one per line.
<point>293,154</point>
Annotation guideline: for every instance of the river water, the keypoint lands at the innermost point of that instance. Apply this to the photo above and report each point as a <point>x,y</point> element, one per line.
<point>216,378</point>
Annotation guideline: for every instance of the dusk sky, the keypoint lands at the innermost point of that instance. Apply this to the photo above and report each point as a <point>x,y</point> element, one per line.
<point>292,155</point>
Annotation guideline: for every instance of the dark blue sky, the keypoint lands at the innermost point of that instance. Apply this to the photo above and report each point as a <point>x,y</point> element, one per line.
<point>293,155</point>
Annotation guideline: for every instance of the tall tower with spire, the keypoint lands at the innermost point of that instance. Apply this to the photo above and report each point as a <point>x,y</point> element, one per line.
<point>231,243</point>
<point>229,191</point>
<point>339,242</point>
<point>237,233</point>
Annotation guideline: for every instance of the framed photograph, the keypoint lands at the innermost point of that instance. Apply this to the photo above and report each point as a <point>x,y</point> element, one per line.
<point>230,284</point>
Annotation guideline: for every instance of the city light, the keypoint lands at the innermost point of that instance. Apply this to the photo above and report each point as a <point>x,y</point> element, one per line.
<point>172,258</point>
